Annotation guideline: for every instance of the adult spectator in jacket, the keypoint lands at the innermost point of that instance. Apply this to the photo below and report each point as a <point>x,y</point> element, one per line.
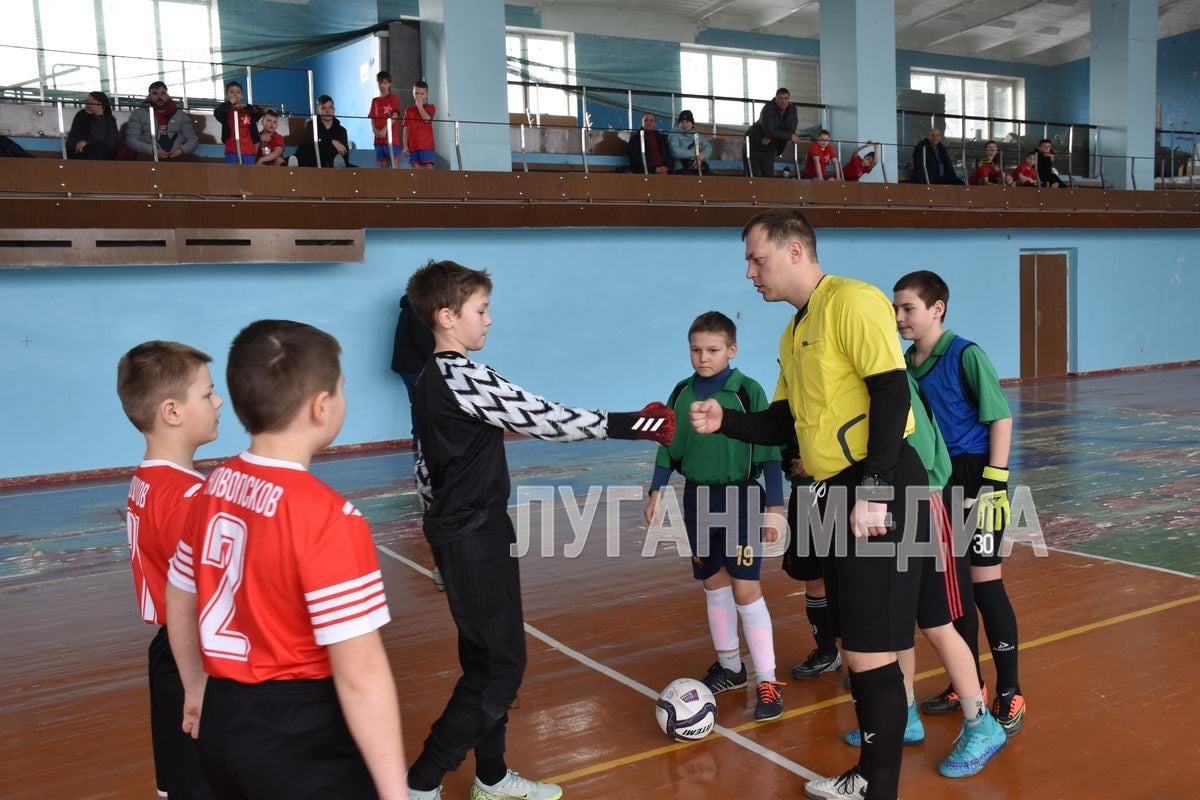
<point>932,162</point>
<point>333,143</point>
<point>774,130</point>
<point>171,133</point>
<point>93,133</point>
<point>689,159</point>
<point>649,150</point>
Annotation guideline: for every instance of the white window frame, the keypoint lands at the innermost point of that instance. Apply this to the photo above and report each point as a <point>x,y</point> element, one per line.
<point>953,117</point>
<point>540,101</point>
<point>784,63</point>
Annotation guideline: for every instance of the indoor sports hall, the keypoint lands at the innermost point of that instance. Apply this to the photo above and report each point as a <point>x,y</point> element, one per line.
<point>1083,295</point>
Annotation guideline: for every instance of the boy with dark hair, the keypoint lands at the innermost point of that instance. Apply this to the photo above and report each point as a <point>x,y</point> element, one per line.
<point>418,129</point>
<point>720,471</point>
<point>275,592</point>
<point>860,165</point>
<point>462,410</point>
<point>239,126</point>
<point>1025,173</point>
<point>1047,175</point>
<point>385,114</point>
<point>962,387</point>
<point>166,391</point>
<point>820,155</point>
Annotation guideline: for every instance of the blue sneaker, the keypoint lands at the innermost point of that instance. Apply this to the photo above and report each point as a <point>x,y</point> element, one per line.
<point>914,731</point>
<point>976,744</point>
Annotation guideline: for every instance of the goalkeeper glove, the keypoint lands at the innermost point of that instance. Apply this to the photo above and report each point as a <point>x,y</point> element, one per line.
<point>992,505</point>
<point>655,422</point>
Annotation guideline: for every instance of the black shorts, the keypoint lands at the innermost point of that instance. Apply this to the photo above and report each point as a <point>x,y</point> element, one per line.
<point>176,759</point>
<point>966,473</point>
<point>872,595</point>
<point>715,546</point>
<point>279,739</point>
<point>945,579</point>
<point>800,560</point>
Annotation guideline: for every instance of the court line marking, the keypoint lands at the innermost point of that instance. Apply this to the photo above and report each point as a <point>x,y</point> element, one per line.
<point>1098,557</point>
<point>734,734</point>
<point>729,733</point>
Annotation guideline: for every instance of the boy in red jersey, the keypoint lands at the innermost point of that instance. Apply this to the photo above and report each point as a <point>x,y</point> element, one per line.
<point>418,129</point>
<point>167,393</point>
<point>275,592</point>
<point>385,113</point>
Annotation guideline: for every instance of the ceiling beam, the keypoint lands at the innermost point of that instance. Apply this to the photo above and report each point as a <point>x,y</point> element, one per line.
<point>713,9</point>
<point>985,23</point>
<point>775,20</point>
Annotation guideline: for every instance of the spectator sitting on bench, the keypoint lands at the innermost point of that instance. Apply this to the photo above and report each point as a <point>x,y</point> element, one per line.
<point>932,162</point>
<point>1026,173</point>
<point>270,143</point>
<point>689,159</point>
<point>657,154</point>
<point>1047,176</point>
<point>171,133</point>
<point>858,165</point>
<point>93,132</point>
<point>332,139</point>
<point>990,171</point>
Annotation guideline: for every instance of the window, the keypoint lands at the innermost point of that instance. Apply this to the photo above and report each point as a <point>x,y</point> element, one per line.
<point>996,96</point>
<point>131,35</point>
<point>542,58</point>
<point>730,73</point>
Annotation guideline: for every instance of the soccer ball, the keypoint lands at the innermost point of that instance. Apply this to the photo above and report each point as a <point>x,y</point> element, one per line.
<point>686,710</point>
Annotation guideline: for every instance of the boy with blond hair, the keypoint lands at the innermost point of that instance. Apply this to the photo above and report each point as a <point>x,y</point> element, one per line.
<point>167,392</point>
<point>275,592</point>
<point>462,410</point>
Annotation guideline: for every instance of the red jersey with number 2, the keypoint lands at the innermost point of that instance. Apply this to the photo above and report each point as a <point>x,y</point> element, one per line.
<point>282,566</point>
<point>156,509</point>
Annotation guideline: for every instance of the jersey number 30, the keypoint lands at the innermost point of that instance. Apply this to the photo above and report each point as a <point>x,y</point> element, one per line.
<point>225,549</point>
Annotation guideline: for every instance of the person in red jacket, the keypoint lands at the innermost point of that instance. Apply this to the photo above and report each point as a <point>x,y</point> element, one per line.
<point>1026,172</point>
<point>858,165</point>
<point>418,129</point>
<point>820,155</point>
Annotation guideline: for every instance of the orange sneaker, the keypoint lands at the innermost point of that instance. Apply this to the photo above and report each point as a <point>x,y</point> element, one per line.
<point>1009,711</point>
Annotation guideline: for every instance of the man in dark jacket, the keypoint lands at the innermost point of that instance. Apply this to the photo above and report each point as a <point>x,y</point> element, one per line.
<point>775,129</point>
<point>332,140</point>
<point>649,150</point>
<point>932,162</point>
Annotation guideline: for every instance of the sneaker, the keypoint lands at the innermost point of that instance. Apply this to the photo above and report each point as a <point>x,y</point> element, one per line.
<point>513,785</point>
<point>294,162</point>
<point>818,661</point>
<point>430,794</point>
<point>975,745</point>
<point>720,679</point>
<point>770,702</point>
<point>946,702</point>
<point>850,785</point>
<point>914,731</point>
<point>1009,710</point>
<point>438,583</point>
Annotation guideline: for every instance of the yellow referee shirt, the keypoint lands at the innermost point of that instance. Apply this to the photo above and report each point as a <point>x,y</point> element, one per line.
<point>845,334</point>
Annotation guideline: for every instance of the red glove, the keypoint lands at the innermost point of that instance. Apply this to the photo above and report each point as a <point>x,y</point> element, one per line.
<point>655,422</point>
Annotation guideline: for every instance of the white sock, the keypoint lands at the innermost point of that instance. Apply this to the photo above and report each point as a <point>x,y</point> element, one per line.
<point>756,623</point>
<point>722,623</point>
<point>912,698</point>
<point>972,707</point>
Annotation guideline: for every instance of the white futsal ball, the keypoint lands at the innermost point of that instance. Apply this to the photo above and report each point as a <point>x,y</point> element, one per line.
<point>686,710</point>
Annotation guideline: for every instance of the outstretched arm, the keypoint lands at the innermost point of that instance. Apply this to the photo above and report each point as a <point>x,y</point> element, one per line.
<point>771,427</point>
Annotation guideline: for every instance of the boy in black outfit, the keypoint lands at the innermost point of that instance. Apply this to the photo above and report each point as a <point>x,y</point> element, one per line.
<point>462,410</point>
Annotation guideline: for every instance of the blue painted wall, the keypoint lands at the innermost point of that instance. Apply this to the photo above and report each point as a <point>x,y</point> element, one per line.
<point>1178,77</point>
<point>567,324</point>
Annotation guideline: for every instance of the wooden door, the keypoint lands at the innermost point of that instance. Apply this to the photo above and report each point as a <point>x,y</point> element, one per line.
<point>1043,314</point>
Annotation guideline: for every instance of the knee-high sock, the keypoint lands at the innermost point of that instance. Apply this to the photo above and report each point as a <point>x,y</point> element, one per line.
<point>756,624</point>
<point>882,715</point>
<point>722,623</point>
<point>1000,625</point>
<point>968,628</point>
<point>818,617</point>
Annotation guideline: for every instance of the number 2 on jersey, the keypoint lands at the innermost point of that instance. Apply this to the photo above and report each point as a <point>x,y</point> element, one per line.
<point>225,549</point>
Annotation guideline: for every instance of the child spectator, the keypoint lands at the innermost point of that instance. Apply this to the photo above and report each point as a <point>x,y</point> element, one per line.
<point>239,126</point>
<point>820,155</point>
<point>333,143</point>
<point>720,470</point>
<point>859,165</point>
<point>385,114</point>
<point>963,391</point>
<point>270,143</point>
<point>166,391</point>
<point>689,160</point>
<point>93,133</point>
<point>1026,173</point>
<point>300,698</point>
<point>418,129</point>
<point>989,171</point>
<point>1047,175</point>
<point>463,409</point>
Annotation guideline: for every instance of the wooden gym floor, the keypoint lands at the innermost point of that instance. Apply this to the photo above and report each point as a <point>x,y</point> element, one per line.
<point>1109,623</point>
